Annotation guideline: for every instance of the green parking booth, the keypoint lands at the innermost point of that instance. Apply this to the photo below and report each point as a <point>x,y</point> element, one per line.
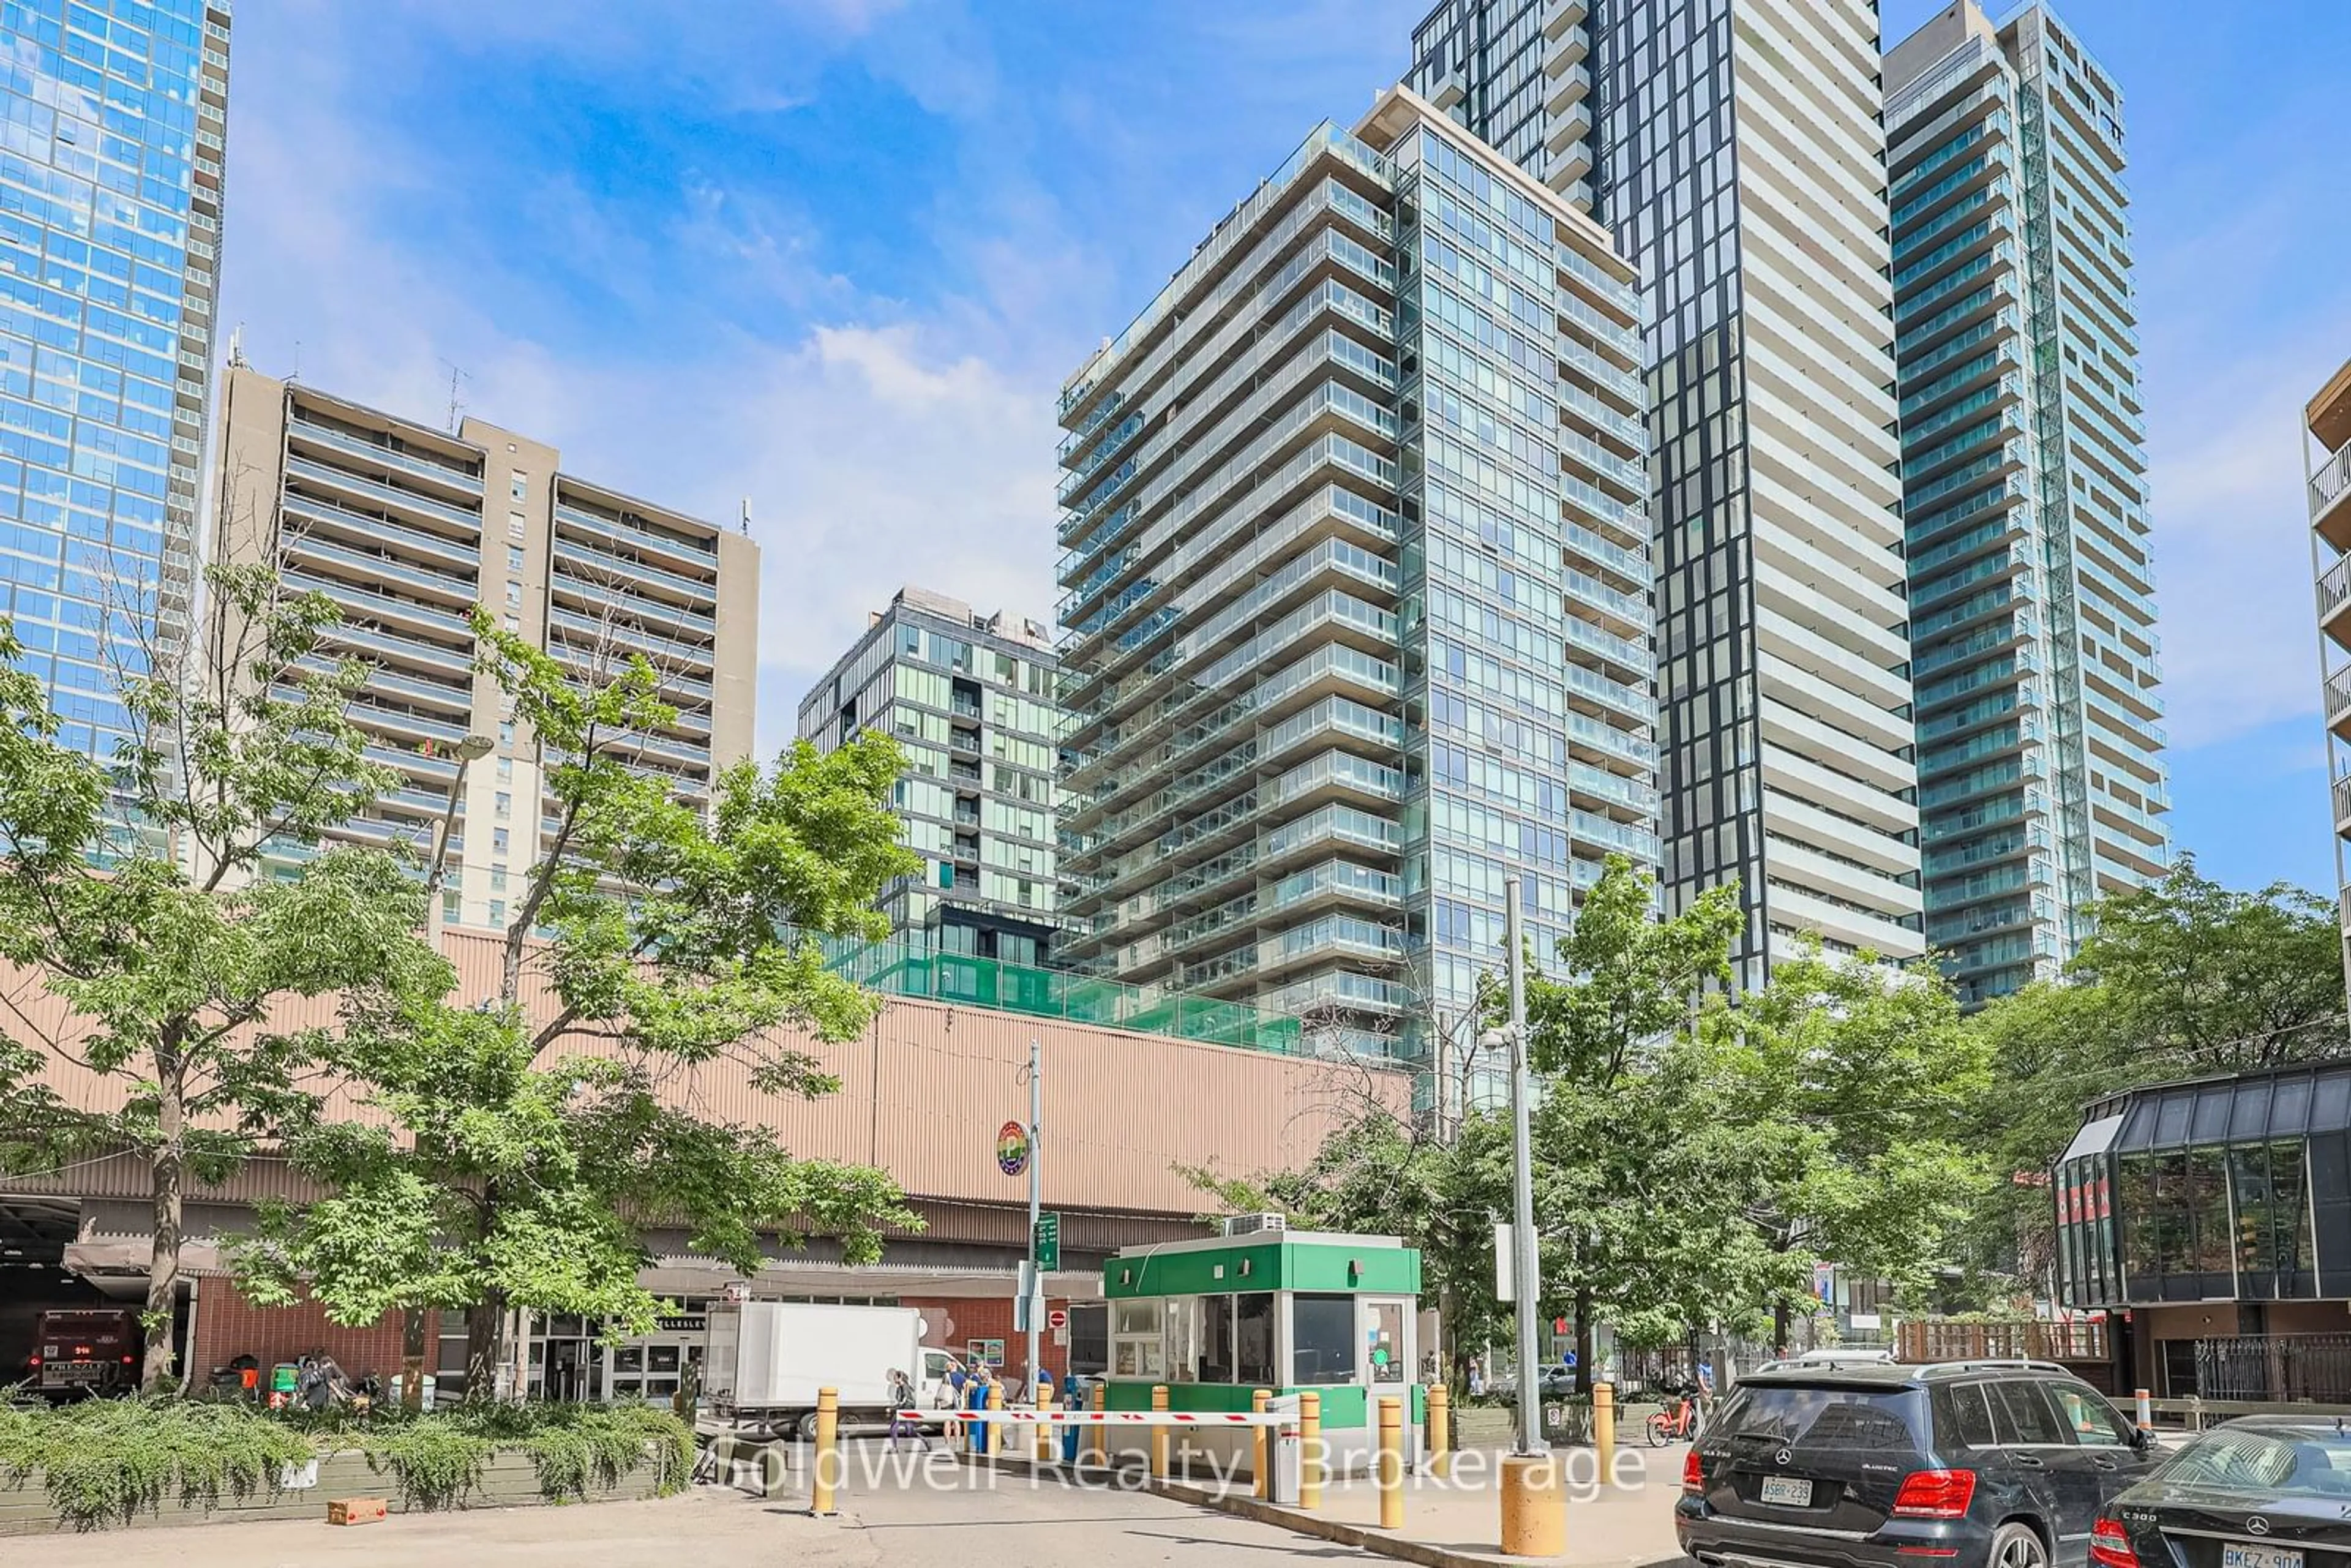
<point>1264,1307</point>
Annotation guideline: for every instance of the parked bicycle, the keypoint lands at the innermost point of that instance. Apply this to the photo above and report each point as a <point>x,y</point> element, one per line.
<point>1676,1423</point>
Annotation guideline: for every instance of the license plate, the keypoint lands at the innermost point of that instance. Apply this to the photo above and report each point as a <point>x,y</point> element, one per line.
<point>1799,1494</point>
<point>2248,1554</point>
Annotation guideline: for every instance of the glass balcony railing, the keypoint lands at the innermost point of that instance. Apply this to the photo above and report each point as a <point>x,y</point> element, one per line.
<point>913,968</point>
<point>461,589</point>
<point>365,642</point>
<point>371,602</point>
<point>617,597</point>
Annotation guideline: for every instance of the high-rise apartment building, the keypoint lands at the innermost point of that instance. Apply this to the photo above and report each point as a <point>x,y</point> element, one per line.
<point>407,529</point>
<point>970,698</point>
<point>1734,149</point>
<point>113,125</point>
<point>2326,462</point>
<point>2041,781</point>
<point>1357,613</point>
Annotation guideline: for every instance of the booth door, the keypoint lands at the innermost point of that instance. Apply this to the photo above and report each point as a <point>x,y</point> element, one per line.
<point>1388,1330</point>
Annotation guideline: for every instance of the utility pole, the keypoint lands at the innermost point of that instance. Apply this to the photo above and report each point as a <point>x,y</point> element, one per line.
<point>1524,1262</point>
<point>1034,1307</point>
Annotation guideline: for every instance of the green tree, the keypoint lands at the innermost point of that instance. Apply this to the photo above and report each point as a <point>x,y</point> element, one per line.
<point>1853,1086</point>
<point>136,889</point>
<point>1620,1222</point>
<point>2179,978</point>
<point>531,1146</point>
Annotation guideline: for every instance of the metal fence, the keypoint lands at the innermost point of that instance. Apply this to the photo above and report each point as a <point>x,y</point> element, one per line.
<point>2311,1367</point>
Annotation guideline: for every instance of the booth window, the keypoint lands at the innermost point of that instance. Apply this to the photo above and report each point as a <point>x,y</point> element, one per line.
<point>1135,1345</point>
<point>1216,1365</point>
<point>1182,1339</point>
<point>1324,1329</point>
<point>1253,1340</point>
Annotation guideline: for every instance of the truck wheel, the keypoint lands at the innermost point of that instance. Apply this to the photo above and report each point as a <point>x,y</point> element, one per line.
<point>806,1427</point>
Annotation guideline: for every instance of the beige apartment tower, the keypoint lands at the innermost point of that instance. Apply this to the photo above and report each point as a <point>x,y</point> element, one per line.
<point>407,528</point>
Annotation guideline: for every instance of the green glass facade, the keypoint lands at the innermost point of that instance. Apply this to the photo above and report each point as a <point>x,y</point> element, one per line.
<point>1357,614</point>
<point>2042,783</point>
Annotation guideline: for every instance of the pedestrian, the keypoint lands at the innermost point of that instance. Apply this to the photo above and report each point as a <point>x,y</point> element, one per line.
<point>1477,1377</point>
<point>975,1398</point>
<point>903,1419</point>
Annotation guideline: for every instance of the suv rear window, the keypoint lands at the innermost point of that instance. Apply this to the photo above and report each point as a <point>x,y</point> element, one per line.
<point>1825,1418</point>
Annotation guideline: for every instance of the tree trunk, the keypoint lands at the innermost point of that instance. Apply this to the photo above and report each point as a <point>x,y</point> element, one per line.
<point>164,1261</point>
<point>1583,1372</point>
<point>411,1358</point>
<point>1779,1328</point>
<point>486,1323</point>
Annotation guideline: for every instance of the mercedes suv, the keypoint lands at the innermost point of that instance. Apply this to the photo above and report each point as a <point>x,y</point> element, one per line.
<point>1977,1464</point>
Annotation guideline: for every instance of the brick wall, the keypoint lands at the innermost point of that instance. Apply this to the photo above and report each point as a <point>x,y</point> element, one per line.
<point>951,1323</point>
<point>228,1325</point>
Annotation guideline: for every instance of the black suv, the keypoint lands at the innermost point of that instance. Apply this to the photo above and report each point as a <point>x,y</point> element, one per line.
<point>1975,1464</point>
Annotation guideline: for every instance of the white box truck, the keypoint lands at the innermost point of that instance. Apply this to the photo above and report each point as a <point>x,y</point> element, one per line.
<point>768,1359</point>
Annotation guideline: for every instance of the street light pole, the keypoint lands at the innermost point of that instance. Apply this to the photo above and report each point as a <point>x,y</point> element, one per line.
<point>1035,1305</point>
<point>1525,1256</point>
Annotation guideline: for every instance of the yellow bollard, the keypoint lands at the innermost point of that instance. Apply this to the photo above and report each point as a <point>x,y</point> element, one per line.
<point>1390,1474</point>
<point>1603,1427</point>
<point>1043,1401</point>
<point>1309,1450</point>
<point>1097,1440</point>
<point>1159,1434</point>
<point>1440,1430</point>
<point>991,1433</point>
<point>1261,1466</point>
<point>1534,1509</point>
<point>828,1452</point>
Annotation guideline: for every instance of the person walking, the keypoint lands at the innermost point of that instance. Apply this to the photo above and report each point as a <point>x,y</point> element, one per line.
<point>975,1398</point>
<point>904,1422</point>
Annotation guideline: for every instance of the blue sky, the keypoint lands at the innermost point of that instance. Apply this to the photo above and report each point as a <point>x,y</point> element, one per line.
<point>836,256</point>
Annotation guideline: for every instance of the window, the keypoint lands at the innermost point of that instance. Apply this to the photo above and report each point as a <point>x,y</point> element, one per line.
<point>506,769</point>
<point>498,880</point>
<point>1182,1315</point>
<point>497,841</point>
<point>2023,1415</point>
<point>1136,1350</point>
<point>2094,1422</point>
<point>497,911</point>
<point>1324,1329</point>
<point>505,733</point>
<point>514,623</point>
<point>515,525</point>
<point>514,595</point>
<point>1384,1331</point>
<point>452,905</point>
<point>513,557</point>
<point>1963,1417</point>
<point>502,804</point>
<point>1253,1341</point>
<point>519,485</point>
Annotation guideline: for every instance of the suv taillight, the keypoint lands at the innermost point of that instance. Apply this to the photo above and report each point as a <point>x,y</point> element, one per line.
<point>2110,1546</point>
<point>1693,1474</point>
<point>1935,1494</point>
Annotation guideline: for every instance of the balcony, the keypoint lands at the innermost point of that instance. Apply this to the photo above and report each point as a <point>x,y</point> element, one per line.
<point>619,570</point>
<point>2343,806</point>
<point>690,550</point>
<point>2338,703</point>
<point>1569,88</point>
<point>381,494</point>
<point>421,467</point>
<point>2330,500</point>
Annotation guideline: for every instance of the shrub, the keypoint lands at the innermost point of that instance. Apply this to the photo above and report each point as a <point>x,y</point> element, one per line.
<point>104,1462</point>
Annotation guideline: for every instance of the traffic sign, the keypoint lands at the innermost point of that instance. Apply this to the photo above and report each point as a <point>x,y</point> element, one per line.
<point>1049,1242</point>
<point>1058,1318</point>
<point>1013,1148</point>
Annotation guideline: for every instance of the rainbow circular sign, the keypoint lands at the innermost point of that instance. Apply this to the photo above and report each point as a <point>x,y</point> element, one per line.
<point>1013,1148</point>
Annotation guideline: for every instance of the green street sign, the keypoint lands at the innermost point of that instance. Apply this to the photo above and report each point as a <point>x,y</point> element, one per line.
<point>1049,1241</point>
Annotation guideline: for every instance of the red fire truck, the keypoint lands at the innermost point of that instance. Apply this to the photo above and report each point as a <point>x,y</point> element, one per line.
<point>86,1351</point>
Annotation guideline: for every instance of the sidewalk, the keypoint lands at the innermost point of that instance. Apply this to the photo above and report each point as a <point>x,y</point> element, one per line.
<point>1457,1523</point>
